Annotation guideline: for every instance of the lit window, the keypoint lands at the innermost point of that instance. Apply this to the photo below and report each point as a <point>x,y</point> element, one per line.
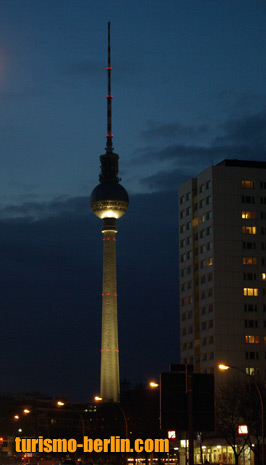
<point>249,261</point>
<point>248,184</point>
<point>264,339</point>
<point>263,276</point>
<point>248,215</point>
<point>209,261</point>
<point>251,371</point>
<point>249,230</point>
<point>252,339</point>
<point>250,291</point>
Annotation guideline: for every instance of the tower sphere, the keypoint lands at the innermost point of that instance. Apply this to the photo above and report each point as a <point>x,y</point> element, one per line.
<point>109,200</point>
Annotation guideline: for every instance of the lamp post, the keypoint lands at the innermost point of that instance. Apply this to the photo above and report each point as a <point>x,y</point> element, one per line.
<point>99,399</point>
<point>223,367</point>
<point>153,385</point>
<point>61,404</point>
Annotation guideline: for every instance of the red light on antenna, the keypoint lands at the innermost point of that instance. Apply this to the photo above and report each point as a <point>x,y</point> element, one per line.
<point>109,96</point>
<point>109,135</point>
<point>109,67</point>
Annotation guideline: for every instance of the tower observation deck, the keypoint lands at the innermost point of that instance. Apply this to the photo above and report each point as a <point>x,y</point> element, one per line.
<point>109,201</point>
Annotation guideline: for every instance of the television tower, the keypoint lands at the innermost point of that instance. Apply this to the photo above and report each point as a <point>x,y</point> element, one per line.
<point>109,201</point>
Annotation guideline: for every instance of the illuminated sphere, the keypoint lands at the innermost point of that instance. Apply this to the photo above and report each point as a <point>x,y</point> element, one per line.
<point>109,200</point>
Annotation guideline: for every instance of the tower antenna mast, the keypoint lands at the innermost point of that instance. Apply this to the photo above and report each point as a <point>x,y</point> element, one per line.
<point>109,135</point>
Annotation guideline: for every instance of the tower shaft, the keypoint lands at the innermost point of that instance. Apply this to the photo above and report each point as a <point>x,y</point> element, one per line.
<point>109,351</point>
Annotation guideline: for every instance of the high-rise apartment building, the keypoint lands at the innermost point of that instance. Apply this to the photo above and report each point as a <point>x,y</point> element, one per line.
<point>222,246</point>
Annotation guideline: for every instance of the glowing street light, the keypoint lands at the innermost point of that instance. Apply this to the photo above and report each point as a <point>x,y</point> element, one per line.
<point>153,384</point>
<point>60,404</point>
<point>26,411</point>
<point>99,399</point>
<point>224,367</point>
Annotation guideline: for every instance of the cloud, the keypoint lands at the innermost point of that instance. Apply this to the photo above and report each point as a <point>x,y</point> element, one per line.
<point>242,137</point>
<point>248,130</point>
<point>35,211</point>
<point>176,130</point>
<point>164,180</point>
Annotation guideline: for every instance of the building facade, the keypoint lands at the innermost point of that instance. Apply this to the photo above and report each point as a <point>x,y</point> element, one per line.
<point>222,247</point>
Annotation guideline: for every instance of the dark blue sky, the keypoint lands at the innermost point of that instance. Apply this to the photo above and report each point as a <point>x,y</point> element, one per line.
<point>188,82</point>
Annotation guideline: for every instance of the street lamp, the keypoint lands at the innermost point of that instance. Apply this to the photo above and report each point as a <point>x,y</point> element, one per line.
<point>99,399</point>
<point>60,404</point>
<point>153,384</point>
<point>224,367</point>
